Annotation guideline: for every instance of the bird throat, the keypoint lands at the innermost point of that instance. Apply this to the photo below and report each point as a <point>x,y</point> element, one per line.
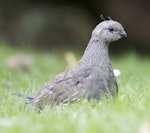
<point>96,54</point>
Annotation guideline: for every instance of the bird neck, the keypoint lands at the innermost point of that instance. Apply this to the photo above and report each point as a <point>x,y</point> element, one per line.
<point>95,54</point>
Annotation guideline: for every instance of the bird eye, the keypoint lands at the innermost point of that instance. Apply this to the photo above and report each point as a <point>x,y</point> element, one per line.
<point>111,29</point>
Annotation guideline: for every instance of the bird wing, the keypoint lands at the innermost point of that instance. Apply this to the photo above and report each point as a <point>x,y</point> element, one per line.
<point>65,87</point>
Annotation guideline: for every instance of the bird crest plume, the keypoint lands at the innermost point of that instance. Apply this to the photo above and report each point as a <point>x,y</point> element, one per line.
<point>102,17</point>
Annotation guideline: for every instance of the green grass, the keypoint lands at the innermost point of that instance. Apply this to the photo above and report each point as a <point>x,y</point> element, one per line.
<point>126,114</point>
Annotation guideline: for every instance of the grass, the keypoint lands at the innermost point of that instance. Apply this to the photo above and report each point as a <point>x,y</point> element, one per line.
<point>126,114</point>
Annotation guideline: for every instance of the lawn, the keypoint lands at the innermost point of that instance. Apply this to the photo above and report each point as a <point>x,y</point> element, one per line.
<point>128,113</point>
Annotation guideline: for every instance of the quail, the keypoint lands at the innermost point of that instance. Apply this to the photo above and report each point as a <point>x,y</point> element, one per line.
<point>91,78</point>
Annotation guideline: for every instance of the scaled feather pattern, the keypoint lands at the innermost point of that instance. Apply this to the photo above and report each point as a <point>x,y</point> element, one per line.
<point>91,78</point>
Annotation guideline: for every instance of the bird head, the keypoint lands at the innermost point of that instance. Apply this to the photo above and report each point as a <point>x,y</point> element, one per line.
<point>109,31</point>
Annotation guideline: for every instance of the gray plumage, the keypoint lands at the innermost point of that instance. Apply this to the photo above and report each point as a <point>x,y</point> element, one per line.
<point>91,78</point>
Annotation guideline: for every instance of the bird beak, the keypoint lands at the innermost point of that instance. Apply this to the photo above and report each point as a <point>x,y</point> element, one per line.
<point>123,34</point>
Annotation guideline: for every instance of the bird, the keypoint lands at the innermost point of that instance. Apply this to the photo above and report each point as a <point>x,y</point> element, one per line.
<point>91,78</point>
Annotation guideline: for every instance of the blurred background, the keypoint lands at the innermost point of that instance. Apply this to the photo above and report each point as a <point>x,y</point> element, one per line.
<point>68,24</point>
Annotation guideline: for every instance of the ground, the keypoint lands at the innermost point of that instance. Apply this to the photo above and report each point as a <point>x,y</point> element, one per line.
<point>128,113</point>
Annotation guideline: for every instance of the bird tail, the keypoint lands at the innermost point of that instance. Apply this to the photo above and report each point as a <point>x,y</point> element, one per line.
<point>28,98</point>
